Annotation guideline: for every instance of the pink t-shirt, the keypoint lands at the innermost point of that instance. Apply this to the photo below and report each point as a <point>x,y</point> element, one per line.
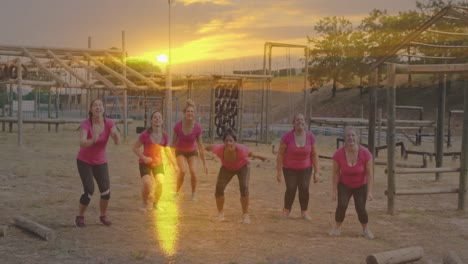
<point>353,176</point>
<point>152,150</point>
<point>187,143</point>
<point>297,158</point>
<point>96,153</point>
<point>242,156</point>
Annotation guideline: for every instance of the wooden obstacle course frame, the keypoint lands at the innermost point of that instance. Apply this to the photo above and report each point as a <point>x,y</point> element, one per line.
<point>392,70</point>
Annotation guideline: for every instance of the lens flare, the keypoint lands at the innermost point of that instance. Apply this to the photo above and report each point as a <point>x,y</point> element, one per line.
<point>166,215</point>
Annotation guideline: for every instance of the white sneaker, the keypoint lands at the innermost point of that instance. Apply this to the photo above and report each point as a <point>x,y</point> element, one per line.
<point>145,208</point>
<point>220,217</point>
<point>194,197</point>
<point>335,232</point>
<point>246,219</point>
<point>367,233</point>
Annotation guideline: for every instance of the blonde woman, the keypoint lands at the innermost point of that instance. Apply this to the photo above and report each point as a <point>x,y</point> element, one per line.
<point>188,144</point>
<point>151,163</point>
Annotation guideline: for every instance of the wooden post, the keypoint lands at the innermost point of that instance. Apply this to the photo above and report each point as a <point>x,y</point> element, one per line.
<point>391,82</point>
<point>10,125</point>
<point>240,110</point>
<point>3,231</point>
<point>49,103</point>
<point>372,112</point>
<point>464,153</point>
<point>20,101</point>
<point>306,69</point>
<point>125,101</point>
<point>268,99</point>
<point>212,128</point>
<point>440,122</point>
<point>38,229</point>
<point>379,129</point>
<point>403,255</point>
<point>4,102</point>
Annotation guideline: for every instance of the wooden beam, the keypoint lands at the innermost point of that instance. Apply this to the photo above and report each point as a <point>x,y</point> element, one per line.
<point>447,33</point>
<point>426,170</point>
<point>52,120</point>
<point>112,72</point>
<point>434,68</point>
<point>135,73</point>
<point>61,51</point>
<point>97,75</point>
<point>391,139</point>
<point>424,191</point>
<point>403,255</point>
<point>57,78</point>
<point>242,76</point>
<point>38,229</point>
<point>69,69</point>
<point>412,36</point>
<point>437,45</point>
<point>285,45</point>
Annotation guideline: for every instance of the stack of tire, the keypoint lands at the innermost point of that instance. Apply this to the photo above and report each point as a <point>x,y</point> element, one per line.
<point>10,71</point>
<point>226,107</point>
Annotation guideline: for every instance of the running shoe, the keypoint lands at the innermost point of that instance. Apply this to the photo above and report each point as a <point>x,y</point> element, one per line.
<point>105,220</point>
<point>367,233</point>
<point>79,221</point>
<point>194,197</point>
<point>335,232</point>
<point>246,219</point>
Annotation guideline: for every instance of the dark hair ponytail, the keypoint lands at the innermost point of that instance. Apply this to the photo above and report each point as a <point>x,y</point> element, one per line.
<point>229,132</point>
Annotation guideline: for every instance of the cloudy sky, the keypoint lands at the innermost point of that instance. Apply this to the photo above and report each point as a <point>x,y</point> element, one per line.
<point>202,30</point>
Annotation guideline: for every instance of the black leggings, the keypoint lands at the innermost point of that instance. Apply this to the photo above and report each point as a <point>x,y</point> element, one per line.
<point>225,176</point>
<point>297,180</point>
<point>87,173</point>
<point>359,195</point>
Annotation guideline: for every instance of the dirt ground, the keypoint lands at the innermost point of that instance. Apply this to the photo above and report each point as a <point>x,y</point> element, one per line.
<point>40,181</point>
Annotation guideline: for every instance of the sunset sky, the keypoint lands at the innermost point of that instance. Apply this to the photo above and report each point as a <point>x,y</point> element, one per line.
<point>218,31</point>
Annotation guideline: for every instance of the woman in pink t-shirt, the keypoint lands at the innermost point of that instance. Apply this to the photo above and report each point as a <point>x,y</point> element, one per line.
<point>352,176</point>
<point>188,144</point>
<point>92,160</point>
<point>151,163</point>
<point>296,159</point>
<point>234,161</point>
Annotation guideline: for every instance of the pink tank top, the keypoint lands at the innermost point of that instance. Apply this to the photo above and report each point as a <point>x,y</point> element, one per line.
<point>353,176</point>
<point>152,150</point>
<point>187,143</point>
<point>96,153</point>
<point>295,157</point>
<point>242,156</point>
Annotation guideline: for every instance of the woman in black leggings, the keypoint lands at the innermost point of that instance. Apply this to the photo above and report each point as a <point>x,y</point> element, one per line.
<point>234,160</point>
<point>92,160</point>
<point>352,177</point>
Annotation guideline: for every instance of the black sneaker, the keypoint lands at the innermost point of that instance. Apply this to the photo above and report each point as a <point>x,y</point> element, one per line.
<point>79,221</point>
<point>105,220</point>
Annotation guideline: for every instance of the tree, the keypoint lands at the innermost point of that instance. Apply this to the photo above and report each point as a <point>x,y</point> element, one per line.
<point>329,58</point>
